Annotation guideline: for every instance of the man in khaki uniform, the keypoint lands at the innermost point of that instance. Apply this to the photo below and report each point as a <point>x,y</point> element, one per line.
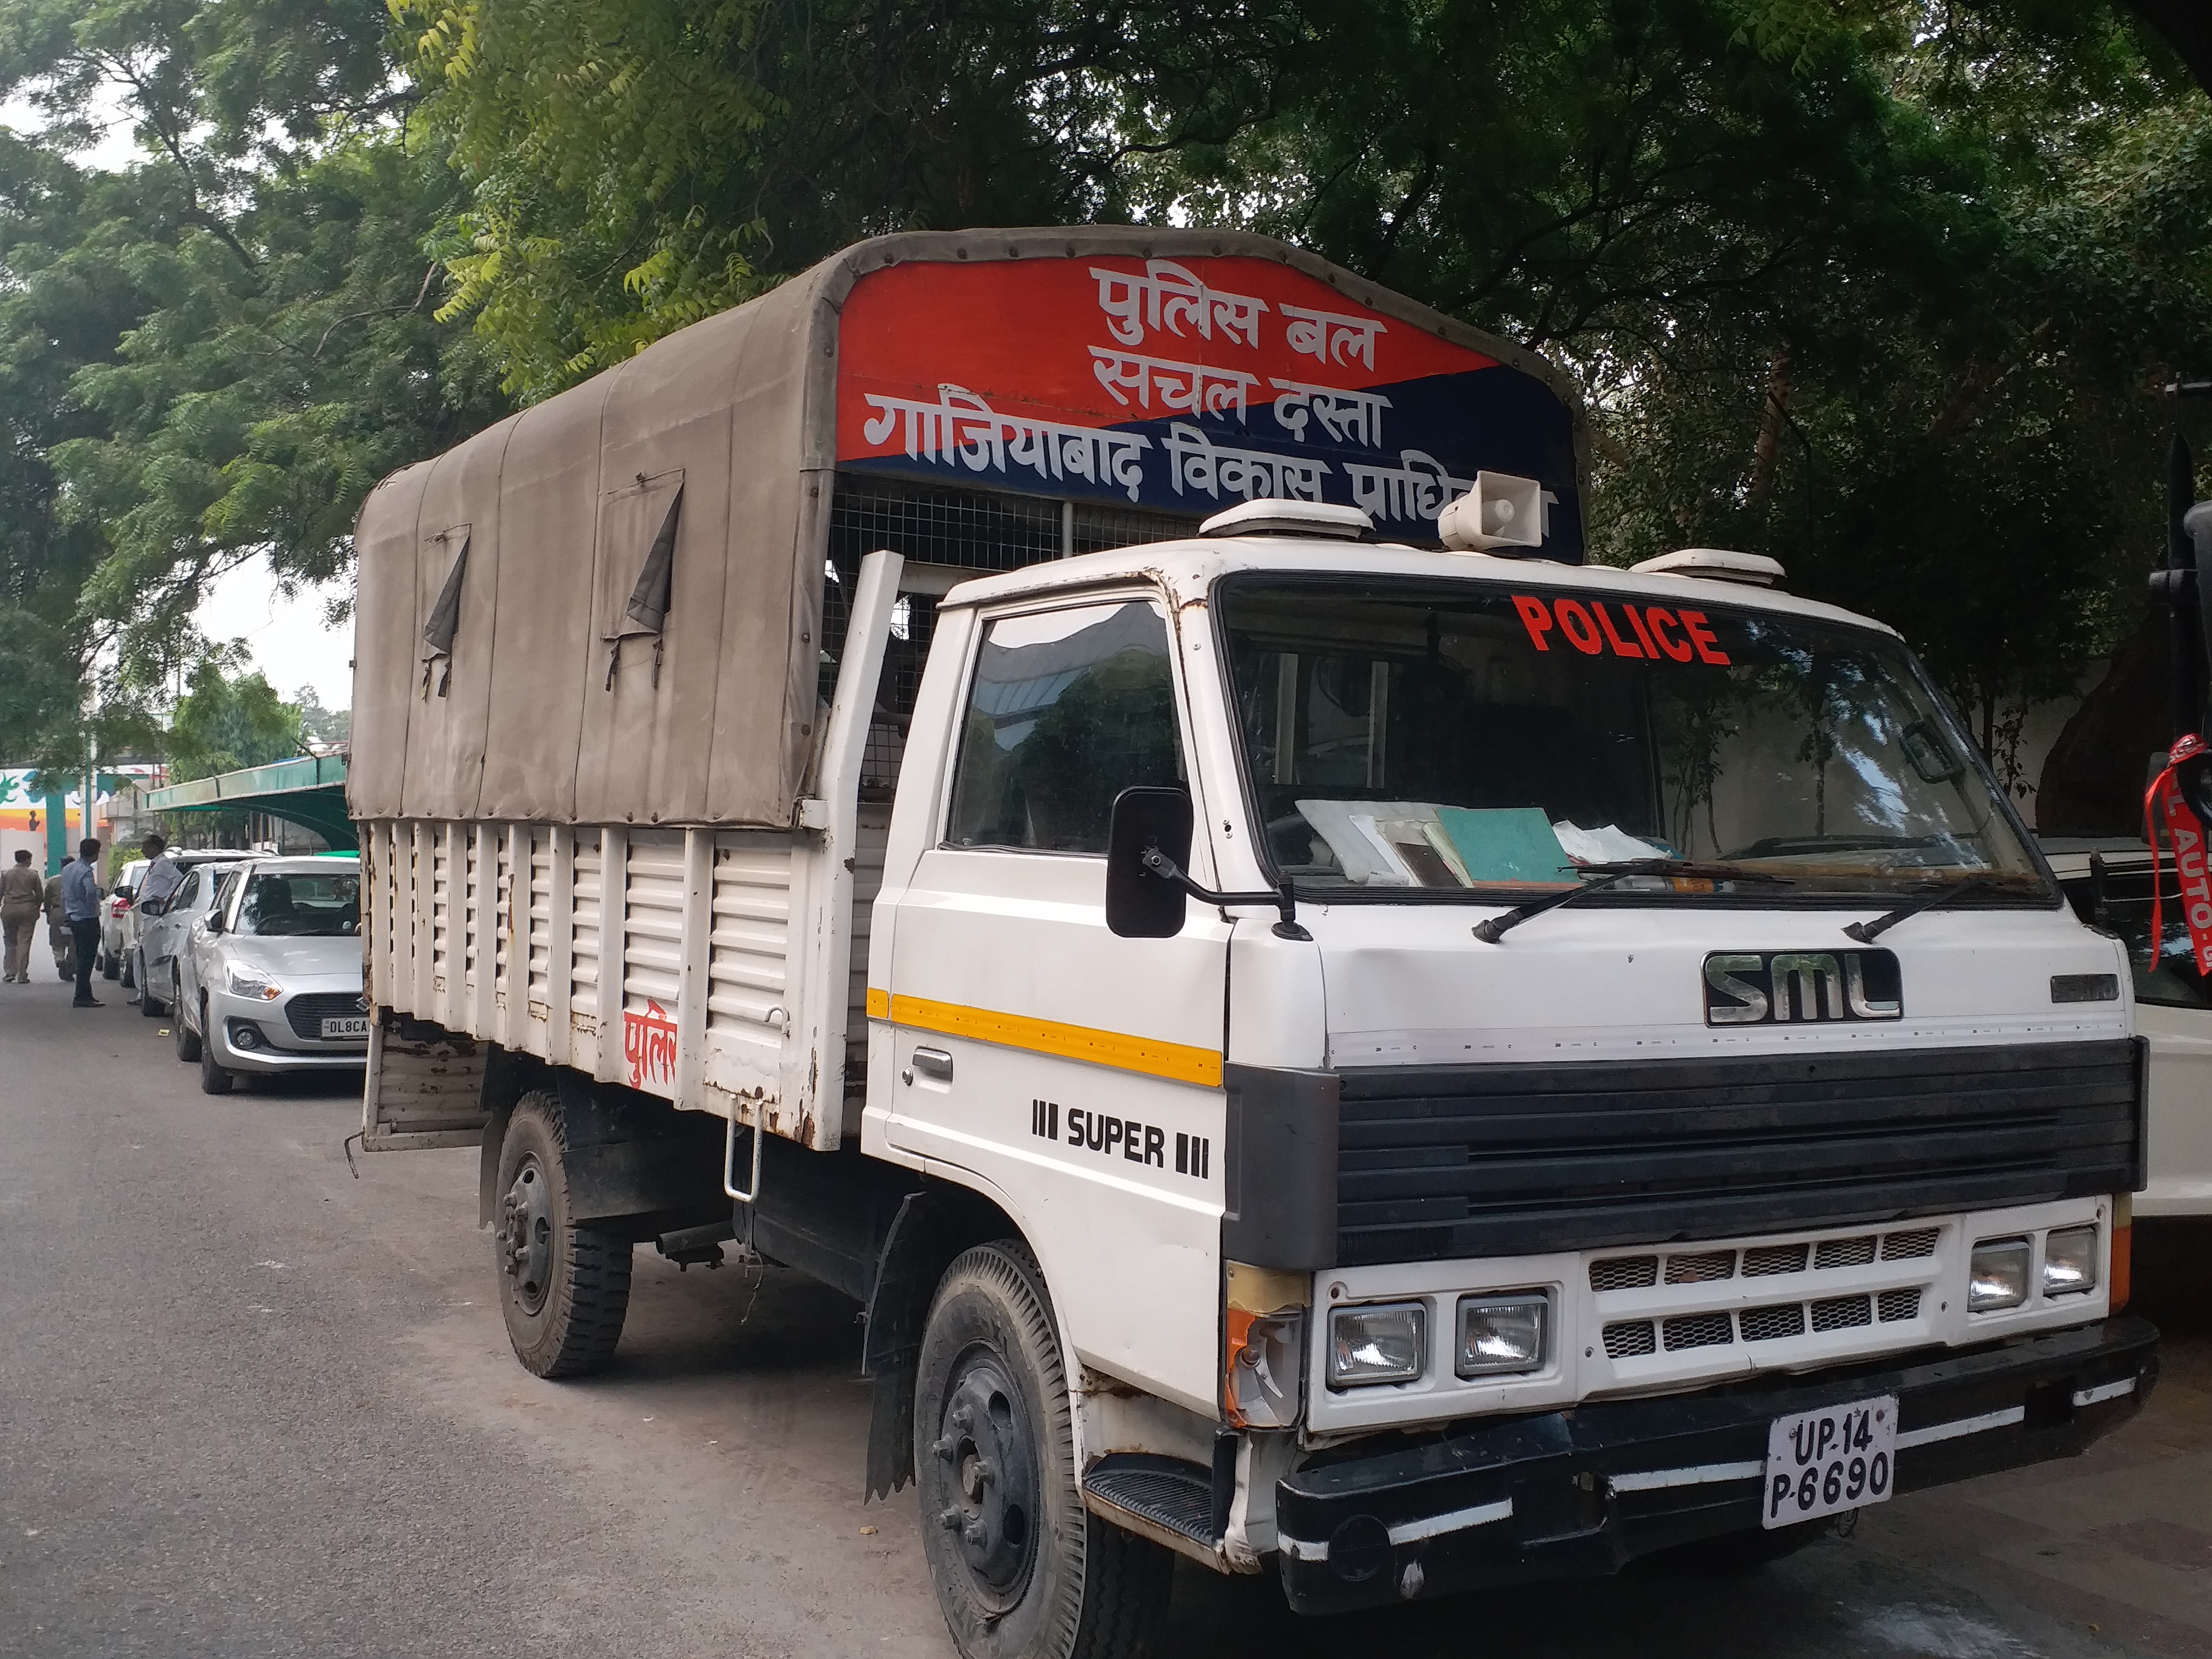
<point>58,931</point>
<point>22,895</point>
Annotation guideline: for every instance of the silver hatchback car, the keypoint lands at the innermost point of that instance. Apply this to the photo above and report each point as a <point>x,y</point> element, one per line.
<point>271,979</point>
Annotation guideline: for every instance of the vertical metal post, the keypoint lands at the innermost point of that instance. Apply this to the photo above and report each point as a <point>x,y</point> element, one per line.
<point>1067,530</point>
<point>2184,624</point>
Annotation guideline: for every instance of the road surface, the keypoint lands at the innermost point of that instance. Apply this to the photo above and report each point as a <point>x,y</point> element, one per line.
<point>254,1404</point>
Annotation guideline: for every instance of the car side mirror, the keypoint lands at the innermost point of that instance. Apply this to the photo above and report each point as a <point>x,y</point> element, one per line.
<point>153,907</point>
<point>214,923</point>
<point>1139,904</point>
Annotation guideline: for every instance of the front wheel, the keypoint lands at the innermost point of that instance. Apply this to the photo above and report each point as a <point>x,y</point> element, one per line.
<point>563,1288</point>
<point>187,1042</point>
<point>147,1004</point>
<point>1022,1569</point>
<point>109,966</point>
<point>215,1078</point>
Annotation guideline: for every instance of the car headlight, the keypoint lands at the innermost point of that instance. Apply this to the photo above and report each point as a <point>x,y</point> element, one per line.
<point>1997,1277</point>
<point>1377,1344</point>
<point>243,981</point>
<point>1502,1334</point>
<point>2069,1260</point>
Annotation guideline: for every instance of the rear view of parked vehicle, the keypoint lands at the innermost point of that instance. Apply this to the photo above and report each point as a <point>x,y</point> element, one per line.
<point>115,920</point>
<point>271,980</point>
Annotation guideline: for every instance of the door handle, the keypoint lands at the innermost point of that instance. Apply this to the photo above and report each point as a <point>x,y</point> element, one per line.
<point>932,1062</point>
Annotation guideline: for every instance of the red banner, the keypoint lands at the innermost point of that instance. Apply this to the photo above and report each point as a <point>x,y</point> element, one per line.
<point>2186,832</point>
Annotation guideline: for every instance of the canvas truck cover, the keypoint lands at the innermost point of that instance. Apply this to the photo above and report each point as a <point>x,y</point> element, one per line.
<point>607,608</point>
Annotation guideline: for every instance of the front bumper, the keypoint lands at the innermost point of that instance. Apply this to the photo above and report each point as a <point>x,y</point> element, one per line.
<point>280,1048</point>
<point>1581,1492</point>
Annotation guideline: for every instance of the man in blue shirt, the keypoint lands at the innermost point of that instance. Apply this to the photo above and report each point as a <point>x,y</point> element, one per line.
<point>80,910</point>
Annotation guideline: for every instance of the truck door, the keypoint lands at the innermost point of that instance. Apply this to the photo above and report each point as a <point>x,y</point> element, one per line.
<point>1079,1072</point>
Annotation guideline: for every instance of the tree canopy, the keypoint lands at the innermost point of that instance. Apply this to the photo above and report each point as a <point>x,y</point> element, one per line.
<point>1885,289</point>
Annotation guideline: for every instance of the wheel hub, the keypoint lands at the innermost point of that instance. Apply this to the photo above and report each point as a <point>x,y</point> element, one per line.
<point>989,1473</point>
<point>526,1235</point>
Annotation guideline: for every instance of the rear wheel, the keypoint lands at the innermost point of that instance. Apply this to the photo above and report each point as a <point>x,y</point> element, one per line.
<point>563,1288</point>
<point>108,966</point>
<point>1022,1569</point>
<point>214,1078</point>
<point>130,979</point>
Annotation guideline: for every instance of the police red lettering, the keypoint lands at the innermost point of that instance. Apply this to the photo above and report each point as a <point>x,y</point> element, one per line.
<point>1707,642</point>
<point>1620,647</point>
<point>1534,618</point>
<point>1575,622</point>
<point>1660,619</point>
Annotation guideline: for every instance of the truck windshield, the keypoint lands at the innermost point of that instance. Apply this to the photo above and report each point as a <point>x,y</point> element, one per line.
<point>1401,734</point>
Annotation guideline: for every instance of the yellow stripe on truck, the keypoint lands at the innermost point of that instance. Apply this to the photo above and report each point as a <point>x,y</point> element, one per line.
<point>1175,1061</point>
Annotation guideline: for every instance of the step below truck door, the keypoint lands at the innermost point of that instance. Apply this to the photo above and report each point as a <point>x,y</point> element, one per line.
<point>424,1087</point>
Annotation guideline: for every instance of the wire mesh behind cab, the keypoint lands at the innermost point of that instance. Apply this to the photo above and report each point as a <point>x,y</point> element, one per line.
<point>969,529</point>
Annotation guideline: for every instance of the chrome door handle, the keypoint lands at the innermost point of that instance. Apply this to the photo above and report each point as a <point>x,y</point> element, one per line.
<point>933,1062</point>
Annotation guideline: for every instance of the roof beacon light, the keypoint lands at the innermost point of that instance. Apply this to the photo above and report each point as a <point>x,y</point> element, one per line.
<point>1499,514</point>
<point>1271,516</point>
<point>1717,564</point>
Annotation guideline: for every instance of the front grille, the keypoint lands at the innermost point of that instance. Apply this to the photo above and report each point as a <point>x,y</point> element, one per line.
<point>1701,1268</point>
<point>1893,1305</point>
<point>1769,1258</point>
<point>308,1011</point>
<point>1630,1340</point>
<point>1771,1324</point>
<point>1905,1246</point>
<point>1625,1273</point>
<point>1840,1313</point>
<point>1439,1162</point>
<point>1705,1330</point>
<point>1844,1252</point>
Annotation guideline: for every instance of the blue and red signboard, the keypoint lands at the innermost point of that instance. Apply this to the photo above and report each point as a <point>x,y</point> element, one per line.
<point>1185,385</point>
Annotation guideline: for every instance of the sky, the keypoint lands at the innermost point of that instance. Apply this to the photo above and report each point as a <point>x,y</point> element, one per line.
<point>291,643</point>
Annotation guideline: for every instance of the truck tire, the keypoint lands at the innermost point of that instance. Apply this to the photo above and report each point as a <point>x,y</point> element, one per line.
<point>563,1289</point>
<point>1022,1569</point>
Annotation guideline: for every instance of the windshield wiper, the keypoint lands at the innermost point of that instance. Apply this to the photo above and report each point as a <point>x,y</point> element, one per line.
<point>1865,931</point>
<point>1491,929</point>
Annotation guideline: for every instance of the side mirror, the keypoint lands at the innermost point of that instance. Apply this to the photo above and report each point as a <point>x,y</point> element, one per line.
<point>214,923</point>
<point>153,906</point>
<point>1139,904</point>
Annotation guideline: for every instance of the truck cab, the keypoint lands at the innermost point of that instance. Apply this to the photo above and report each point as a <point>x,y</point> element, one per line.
<point>1669,1031</point>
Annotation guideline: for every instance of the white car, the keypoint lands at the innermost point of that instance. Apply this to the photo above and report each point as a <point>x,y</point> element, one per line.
<point>164,931</point>
<point>2108,884</point>
<point>271,980</point>
<point>115,919</point>
<point>124,922</point>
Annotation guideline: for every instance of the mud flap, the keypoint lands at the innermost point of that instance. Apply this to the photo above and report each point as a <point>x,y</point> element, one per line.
<point>424,1087</point>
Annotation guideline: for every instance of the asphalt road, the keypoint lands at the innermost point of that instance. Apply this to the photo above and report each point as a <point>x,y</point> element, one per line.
<point>252,1404</point>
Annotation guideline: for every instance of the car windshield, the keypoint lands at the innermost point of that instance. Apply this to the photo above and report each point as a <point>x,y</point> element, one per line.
<point>301,904</point>
<point>1402,734</point>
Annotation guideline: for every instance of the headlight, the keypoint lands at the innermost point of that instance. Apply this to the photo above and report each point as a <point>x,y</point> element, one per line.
<point>2069,1260</point>
<point>1500,1334</point>
<point>1998,1275</point>
<point>1377,1344</point>
<point>246,983</point>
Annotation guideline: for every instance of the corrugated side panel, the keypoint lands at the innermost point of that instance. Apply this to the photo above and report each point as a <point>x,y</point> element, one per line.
<point>506,1012</point>
<point>653,953</point>
<point>749,961</point>
<point>473,911</point>
<point>875,825</point>
<point>538,907</point>
<point>442,914</point>
<point>584,963</point>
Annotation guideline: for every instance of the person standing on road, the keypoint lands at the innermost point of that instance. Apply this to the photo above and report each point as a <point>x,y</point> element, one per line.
<point>58,931</point>
<point>80,910</point>
<point>22,895</point>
